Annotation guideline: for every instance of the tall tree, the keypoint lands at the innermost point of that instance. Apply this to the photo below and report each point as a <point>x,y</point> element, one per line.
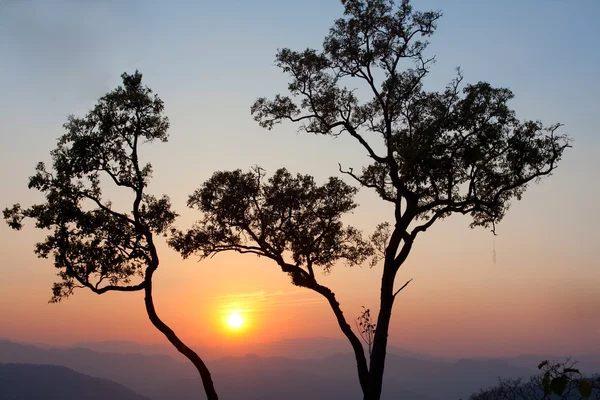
<point>461,150</point>
<point>92,243</point>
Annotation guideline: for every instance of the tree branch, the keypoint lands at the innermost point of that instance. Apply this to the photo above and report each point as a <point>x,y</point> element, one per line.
<point>403,286</point>
<point>362,182</point>
<point>364,143</point>
<point>108,210</point>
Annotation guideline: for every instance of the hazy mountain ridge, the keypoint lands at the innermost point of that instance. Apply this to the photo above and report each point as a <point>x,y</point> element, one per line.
<point>299,348</point>
<point>136,371</point>
<point>51,382</point>
<point>162,377</point>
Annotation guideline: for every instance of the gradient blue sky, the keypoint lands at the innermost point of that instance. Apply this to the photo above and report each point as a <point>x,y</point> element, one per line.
<point>209,61</point>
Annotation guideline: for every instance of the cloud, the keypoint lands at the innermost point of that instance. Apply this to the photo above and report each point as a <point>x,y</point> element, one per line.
<point>260,294</point>
<point>263,301</point>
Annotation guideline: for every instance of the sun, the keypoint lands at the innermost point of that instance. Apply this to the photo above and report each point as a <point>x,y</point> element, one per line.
<point>235,320</point>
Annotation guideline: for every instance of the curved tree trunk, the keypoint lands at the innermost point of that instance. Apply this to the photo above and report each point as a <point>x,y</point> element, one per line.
<point>207,382</point>
<point>359,352</point>
<point>307,280</point>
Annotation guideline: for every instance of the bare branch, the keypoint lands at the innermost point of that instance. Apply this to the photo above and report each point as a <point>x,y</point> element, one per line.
<point>402,287</point>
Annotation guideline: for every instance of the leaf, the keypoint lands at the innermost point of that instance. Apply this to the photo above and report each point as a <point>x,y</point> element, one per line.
<point>559,384</point>
<point>546,383</point>
<point>585,388</point>
<point>543,364</point>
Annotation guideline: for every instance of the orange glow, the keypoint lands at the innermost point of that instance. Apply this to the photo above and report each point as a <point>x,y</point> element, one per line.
<point>459,304</point>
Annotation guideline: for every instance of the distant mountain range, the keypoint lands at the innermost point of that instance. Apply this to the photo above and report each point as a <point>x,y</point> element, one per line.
<point>51,382</point>
<point>409,376</point>
<point>300,348</point>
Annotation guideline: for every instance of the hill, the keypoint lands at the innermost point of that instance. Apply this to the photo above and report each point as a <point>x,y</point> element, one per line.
<point>161,377</point>
<point>51,382</point>
<point>298,348</point>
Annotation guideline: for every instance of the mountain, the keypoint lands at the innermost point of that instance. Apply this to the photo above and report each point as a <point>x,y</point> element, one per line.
<point>136,371</point>
<point>284,386</point>
<point>250,377</point>
<point>299,348</point>
<point>51,382</point>
<point>126,347</point>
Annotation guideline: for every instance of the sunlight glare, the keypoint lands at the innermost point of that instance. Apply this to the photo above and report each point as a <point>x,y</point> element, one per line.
<point>235,321</point>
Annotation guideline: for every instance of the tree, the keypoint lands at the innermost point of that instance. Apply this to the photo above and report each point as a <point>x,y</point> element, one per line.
<point>92,243</point>
<point>285,214</point>
<point>432,154</point>
<point>558,380</point>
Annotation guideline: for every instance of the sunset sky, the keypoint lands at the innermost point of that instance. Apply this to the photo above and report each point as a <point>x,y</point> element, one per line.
<point>209,60</point>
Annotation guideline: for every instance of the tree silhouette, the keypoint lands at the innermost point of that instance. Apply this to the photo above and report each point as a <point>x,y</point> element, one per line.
<point>366,329</point>
<point>559,380</point>
<point>461,150</point>
<point>92,243</point>
<point>288,219</point>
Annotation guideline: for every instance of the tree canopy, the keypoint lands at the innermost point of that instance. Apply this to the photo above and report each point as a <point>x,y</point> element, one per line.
<point>288,219</point>
<point>92,243</point>
<point>459,150</point>
<point>432,153</point>
<point>274,217</point>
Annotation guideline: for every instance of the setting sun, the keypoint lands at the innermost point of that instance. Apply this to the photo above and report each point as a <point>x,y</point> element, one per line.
<point>235,321</point>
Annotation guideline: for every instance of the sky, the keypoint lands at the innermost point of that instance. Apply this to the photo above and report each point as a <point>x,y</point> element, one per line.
<point>209,61</point>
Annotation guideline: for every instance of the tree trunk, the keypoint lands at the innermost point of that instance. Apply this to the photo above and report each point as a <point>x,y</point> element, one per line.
<point>191,355</point>
<point>359,353</point>
<point>378,355</point>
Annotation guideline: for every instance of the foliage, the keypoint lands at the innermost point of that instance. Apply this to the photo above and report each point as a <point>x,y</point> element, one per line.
<point>461,150</point>
<point>558,380</point>
<point>288,219</point>
<point>558,377</point>
<point>247,213</point>
<point>92,243</point>
<point>366,328</point>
